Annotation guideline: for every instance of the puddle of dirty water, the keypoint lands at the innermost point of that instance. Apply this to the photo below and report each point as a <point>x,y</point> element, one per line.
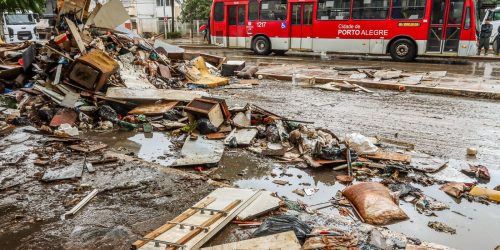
<point>154,147</point>
<point>475,229</point>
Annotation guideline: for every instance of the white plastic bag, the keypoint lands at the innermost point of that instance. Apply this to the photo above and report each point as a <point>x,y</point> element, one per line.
<point>360,144</point>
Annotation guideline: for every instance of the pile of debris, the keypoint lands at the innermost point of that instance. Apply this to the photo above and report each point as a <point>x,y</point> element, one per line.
<point>94,73</point>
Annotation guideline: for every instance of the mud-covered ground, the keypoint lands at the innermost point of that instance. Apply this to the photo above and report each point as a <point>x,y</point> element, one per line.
<point>134,198</point>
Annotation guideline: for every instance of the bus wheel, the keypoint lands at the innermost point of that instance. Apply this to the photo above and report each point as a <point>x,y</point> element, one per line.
<point>279,52</point>
<point>403,50</point>
<point>261,46</point>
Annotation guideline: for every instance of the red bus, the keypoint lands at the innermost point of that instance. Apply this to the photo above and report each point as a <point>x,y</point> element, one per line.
<point>401,28</point>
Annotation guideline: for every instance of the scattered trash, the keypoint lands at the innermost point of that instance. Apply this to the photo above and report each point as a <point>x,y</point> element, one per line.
<point>441,227</point>
<point>454,189</point>
<point>325,238</point>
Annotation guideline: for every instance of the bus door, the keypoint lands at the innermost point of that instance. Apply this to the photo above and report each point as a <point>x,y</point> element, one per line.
<point>301,26</point>
<point>445,23</point>
<point>236,26</point>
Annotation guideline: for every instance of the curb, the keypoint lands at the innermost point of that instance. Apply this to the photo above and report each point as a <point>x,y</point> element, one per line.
<point>395,87</point>
<point>357,56</point>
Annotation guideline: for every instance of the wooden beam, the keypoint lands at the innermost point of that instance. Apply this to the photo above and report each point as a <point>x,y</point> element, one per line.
<point>185,215</point>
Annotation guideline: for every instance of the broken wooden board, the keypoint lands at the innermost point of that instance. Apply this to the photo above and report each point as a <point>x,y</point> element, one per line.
<point>265,203</point>
<point>200,151</point>
<point>153,109</point>
<point>281,241</point>
<point>217,200</point>
<point>389,156</point>
<point>76,35</point>
<point>153,94</point>
<point>216,136</point>
<point>88,147</point>
<point>243,136</point>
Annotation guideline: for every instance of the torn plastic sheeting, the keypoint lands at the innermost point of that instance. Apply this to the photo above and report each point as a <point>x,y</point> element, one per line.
<point>199,74</point>
<point>281,224</point>
<point>374,203</point>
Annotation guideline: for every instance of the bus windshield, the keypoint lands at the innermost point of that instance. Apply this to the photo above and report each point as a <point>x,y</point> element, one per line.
<point>18,19</point>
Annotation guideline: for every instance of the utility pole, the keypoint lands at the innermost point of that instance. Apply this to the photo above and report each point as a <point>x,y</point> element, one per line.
<point>172,7</point>
<point>164,3</point>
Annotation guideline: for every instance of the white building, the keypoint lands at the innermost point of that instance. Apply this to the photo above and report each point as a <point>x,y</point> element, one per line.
<point>149,15</point>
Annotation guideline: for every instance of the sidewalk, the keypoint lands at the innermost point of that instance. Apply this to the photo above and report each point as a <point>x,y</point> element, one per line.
<point>433,82</point>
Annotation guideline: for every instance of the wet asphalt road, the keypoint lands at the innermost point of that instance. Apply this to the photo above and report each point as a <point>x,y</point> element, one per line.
<point>438,125</point>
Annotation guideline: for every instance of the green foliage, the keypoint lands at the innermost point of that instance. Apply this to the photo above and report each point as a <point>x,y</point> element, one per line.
<point>174,35</point>
<point>36,6</point>
<point>196,10</point>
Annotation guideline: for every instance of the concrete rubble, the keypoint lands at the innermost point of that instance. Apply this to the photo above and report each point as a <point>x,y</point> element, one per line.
<point>91,78</point>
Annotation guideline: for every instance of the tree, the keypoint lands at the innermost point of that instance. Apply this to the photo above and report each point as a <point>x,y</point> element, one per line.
<point>195,10</point>
<point>36,6</point>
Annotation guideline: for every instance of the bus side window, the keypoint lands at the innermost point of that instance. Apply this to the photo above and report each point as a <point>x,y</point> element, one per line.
<point>408,9</point>
<point>219,12</point>
<point>467,19</point>
<point>273,10</point>
<point>370,9</point>
<point>333,10</point>
<point>253,10</point>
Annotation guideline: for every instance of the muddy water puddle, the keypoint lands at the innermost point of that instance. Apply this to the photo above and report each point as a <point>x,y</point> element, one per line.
<point>155,147</point>
<point>476,223</point>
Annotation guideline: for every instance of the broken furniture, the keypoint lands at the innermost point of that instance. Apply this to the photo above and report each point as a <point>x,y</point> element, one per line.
<point>93,70</point>
<point>200,107</point>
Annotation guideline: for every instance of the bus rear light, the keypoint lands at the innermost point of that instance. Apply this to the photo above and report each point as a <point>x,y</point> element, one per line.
<point>464,46</point>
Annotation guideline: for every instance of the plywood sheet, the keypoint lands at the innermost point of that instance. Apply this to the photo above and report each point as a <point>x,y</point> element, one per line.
<point>280,241</point>
<point>265,203</point>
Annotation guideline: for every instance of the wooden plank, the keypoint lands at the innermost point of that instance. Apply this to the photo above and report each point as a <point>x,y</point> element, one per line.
<point>186,214</point>
<point>281,241</point>
<point>207,223</point>
<point>389,156</point>
<point>153,94</point>
<point>76,35</point>
<point>153,109</point>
